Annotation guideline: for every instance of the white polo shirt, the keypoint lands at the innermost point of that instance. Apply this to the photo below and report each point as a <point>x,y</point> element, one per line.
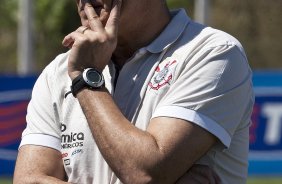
<point>189,71</point>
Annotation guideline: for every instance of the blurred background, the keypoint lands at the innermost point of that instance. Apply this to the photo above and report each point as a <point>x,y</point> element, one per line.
<point>31,32</point>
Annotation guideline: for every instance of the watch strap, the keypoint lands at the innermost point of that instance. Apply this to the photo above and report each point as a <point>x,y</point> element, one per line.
<point>86,79</point>
<point>77,84</point>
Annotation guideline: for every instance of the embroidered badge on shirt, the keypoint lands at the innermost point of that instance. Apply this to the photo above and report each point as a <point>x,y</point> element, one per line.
<point>162,76</point>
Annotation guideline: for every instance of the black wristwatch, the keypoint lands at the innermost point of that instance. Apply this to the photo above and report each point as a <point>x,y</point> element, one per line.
<point>90,78</point>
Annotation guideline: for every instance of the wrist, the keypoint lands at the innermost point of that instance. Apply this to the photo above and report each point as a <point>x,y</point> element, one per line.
<point>74,74</point>
<point>90,78</point>
<point>85,92</point>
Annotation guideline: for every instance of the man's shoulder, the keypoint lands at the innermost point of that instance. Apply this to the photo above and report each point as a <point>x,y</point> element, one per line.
<point>198,40</point>
<point>210,37</point>
<point>191,35</point>
<point>58,65</point>
<point>55,75</point>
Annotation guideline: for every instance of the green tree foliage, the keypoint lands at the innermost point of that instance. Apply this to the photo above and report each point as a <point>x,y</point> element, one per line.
<point>54,19</point>
<point>8,32</point>
<point>256,23</point>
<point>187,4</point>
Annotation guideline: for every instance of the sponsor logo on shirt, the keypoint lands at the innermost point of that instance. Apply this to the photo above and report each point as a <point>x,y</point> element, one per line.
<point>77,151</point>
<point>162,76</point>
<point>71,139</point>
<point>67,161</point>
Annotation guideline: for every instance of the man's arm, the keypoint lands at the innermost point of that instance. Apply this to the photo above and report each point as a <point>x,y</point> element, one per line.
<point>40,165</point>
<point>161,154</point>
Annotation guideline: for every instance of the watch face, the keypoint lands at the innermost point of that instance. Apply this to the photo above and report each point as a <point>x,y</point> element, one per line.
<point>93,78</point>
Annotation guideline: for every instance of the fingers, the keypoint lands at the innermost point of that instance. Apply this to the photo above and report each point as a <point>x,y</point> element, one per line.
<point>93,19</point>
<point>95,30</point>
<point>70,39</point>
<point>82,29</point>
<point>112,23</point>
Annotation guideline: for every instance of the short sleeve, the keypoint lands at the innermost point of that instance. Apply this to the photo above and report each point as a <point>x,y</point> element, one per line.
<point>213,90</point>
<point>43,127</point>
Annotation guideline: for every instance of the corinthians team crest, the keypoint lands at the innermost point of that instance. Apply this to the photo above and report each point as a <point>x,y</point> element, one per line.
<point>162,76</point>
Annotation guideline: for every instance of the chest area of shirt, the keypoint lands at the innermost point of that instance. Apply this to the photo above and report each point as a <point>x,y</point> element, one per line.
<point>151,81</point>
<point>75,132</point>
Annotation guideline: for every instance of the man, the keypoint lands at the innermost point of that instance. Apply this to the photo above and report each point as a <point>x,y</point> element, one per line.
<point>173,94</point>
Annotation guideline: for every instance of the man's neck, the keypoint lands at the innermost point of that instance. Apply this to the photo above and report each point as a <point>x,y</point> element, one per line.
<point>139,32</point>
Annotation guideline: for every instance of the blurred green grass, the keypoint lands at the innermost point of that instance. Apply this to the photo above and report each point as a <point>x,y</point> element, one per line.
<point>6,181</point>
<point>264,180</point>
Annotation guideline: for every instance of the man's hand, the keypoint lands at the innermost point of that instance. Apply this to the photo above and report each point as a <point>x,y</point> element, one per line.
<point>93,46</point>
<point>199,174</point>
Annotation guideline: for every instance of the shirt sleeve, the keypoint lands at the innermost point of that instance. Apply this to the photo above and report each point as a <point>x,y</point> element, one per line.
<point>43,126</point>
<point>213,91</point>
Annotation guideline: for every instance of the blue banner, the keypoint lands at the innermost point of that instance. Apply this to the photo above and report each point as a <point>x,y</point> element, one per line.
<point>265,131</point>
<point>15,93</point>
<point>265,156</point>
